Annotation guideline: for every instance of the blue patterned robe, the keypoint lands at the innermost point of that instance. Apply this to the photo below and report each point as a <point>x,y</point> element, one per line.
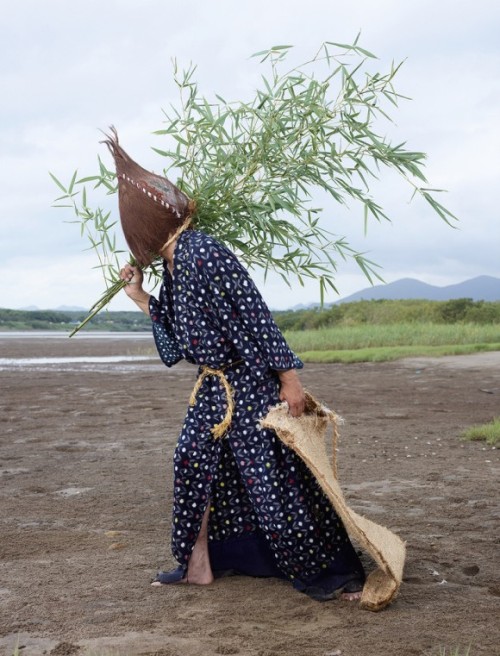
<point>268,515</point>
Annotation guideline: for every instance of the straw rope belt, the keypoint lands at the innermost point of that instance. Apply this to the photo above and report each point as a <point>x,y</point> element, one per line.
<point>219,429</point>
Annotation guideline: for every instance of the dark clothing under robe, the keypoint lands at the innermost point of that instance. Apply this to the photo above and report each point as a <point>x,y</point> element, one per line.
<point>268,515</point>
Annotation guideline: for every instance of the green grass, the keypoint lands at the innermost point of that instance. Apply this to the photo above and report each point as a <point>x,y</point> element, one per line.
<point>388,353</point>
<point>380,343</point>
<point>489,432</point>
<point>337,338</point>
<point>454,651</point>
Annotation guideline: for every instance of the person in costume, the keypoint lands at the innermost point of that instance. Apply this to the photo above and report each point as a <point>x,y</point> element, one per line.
<point>244,503</point>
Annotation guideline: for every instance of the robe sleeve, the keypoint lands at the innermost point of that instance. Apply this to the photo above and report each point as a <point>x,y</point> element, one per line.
<point>163,332</point>
<point>241,312</point>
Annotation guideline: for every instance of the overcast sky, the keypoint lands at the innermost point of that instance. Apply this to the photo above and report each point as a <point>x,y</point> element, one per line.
<point>70,68</point>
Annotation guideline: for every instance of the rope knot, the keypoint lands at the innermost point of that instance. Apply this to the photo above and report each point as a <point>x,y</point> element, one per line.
<point>218,430</point>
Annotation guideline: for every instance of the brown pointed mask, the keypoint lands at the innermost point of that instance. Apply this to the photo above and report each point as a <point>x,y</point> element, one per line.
<point>151,207</point>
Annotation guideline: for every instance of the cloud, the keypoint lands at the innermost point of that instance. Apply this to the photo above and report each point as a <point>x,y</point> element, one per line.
<point>70,69</point>
<point>68,279</point>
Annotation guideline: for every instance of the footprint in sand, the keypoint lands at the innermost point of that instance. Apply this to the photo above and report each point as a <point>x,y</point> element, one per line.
<point>471,570</point>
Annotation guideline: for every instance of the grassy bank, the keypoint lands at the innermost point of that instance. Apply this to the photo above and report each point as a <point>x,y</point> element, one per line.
<point>379,343</point>
<point>387,353</point>
<point>404,334</point>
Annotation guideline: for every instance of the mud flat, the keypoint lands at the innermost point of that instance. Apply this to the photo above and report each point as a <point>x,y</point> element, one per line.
<point>85,484</point>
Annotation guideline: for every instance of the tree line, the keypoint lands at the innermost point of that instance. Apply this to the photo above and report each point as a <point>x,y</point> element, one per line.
<point>383,312</point>
<point>67,320</point>
<point>386,312</point>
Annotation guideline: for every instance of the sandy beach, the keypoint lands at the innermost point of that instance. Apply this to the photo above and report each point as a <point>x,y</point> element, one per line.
<point>85,452</point>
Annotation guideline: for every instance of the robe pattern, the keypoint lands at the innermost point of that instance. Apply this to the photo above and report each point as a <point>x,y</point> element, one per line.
<point>261,495</point>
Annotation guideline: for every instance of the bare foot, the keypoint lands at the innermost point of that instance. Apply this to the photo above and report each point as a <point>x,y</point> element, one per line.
<point>199,570</point>
<point>205,579</point>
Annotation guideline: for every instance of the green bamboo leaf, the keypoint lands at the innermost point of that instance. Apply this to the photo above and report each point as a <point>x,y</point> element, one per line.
<point>260,53</point>
<point>58,183</point>
<point>344,46</point>
<point>72,183</point>
<point>57,200</point>
<point>90,178</point>
<point>170,129</point>
<point>444,213</point>
<point>367,53</point>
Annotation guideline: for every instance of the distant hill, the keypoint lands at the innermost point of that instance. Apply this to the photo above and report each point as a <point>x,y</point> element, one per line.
<point>482,288</point>
<point>61,308</point>
<point>70,308</point>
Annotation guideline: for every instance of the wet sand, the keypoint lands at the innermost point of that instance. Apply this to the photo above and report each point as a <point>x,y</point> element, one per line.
<point>86,481</point>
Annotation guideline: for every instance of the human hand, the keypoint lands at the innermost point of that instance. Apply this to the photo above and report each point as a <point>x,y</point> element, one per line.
<point>134,278</point>
<point>292,392</point>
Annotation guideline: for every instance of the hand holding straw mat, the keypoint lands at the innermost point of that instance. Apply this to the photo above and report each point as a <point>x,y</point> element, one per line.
<point>306,436</point>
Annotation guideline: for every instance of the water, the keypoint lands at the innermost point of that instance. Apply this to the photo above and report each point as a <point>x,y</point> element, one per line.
<point>41,334</point>
<point>33,362</point>
<point>91,359</point>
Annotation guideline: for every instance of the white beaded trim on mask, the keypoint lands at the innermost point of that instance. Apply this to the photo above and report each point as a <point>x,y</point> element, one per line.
<point>152,196</point>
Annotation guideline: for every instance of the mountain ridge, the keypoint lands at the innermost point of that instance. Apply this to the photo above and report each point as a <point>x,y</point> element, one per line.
<point>480,288</point>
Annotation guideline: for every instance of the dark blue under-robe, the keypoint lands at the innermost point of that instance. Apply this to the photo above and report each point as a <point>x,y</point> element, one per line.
<point>268,515</point>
